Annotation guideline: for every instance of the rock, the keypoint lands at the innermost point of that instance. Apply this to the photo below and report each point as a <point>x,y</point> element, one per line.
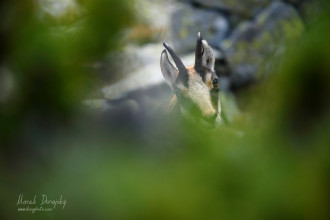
<point>144,77</point>
<point>154,13</point>
<point>145,55</point>
<point>246,8</point>
<point>59,9</point>
<point>99,104</point>
<point>120,64</point>
<point>152,20</point>
<point>187,21</point>
<point>221,66</point>
<point>253,43</point>
<point>296,2</point>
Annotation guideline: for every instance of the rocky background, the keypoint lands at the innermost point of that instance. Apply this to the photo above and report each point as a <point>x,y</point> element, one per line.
<point>249,39</point>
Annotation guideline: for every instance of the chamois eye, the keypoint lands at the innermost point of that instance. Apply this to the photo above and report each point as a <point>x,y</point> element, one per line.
<point>215,83</point>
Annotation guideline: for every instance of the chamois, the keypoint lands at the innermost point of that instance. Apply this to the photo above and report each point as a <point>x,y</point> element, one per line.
<point>195,88</point>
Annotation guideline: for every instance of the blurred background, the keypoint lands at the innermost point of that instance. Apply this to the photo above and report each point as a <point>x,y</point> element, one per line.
<point>83,110</point>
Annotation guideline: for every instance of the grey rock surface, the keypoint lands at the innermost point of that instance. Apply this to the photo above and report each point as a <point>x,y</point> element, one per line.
<point>246,8</point>
<point>187,21</point>
<point>59,8</point>
<point>253,44</point>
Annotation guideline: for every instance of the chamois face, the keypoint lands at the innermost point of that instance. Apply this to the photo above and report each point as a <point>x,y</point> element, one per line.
<point>195,87</point>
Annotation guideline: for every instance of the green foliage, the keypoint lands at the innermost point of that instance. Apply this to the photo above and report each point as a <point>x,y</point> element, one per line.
<point>47,59</point>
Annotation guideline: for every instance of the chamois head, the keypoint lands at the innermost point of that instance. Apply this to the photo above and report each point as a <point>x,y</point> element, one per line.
<point>196,89</point>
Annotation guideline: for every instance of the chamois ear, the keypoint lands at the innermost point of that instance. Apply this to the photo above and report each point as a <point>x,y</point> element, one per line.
<point>208,58</point>
<point>169,72</point>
